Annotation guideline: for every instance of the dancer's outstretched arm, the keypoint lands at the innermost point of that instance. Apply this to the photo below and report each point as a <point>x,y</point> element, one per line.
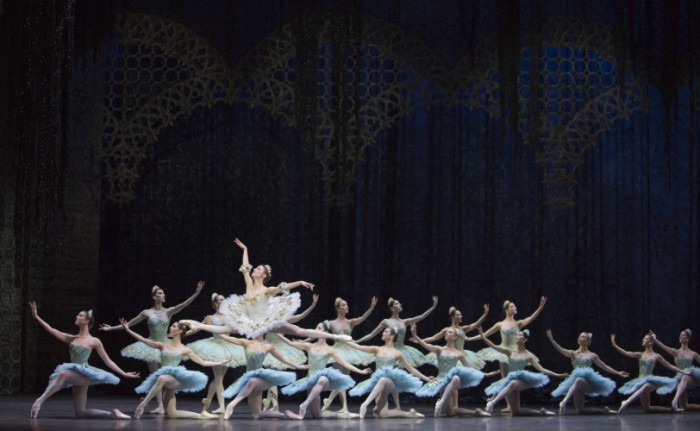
<point>635,355</point>
<point>357,320</point>
<point>199,361</point>
<point>566,352</point>
<point>141,316</point>
<point>489,343</point>
<point>536,365</point>
<point>285,287</point>
<point>303,314</point>
<point>422,343</point>
<point>99,348</point>
<point>411,369</point>
<point>176,309</point>
<point>245,264</point>
<point>605,367</point>
<point>155,344</point>
<point>660,359</point>
<point>411,320</point>
<point>526,321</point>
<point>670,350</point>
<point>301,345</point>
<point>382,325</point>
<point>347,365</point>
<point>366,349</point>
<point>473,326</point>
<point>282,359</point>
<point>62,336</point>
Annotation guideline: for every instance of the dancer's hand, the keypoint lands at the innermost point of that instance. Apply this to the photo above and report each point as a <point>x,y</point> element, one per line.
<point>549,333</point>
<point>624,374</point>
<point>308,285</point>
<point>200,286</point>
<point>32,307</point>
<point>314,298</point>
<point>132,375</point>
<point>123,323</point>
<point>104,327</point>
<point>487,307</point>
<point>373,304</point>
<point>366,371</point>
<point>240,244</point>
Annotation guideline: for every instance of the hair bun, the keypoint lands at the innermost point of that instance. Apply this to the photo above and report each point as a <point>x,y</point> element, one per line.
<point>526,332</point>
<point>154,289</point>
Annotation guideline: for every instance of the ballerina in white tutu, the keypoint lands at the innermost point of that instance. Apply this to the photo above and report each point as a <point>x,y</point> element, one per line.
<point>172,377</point>
<point>77,374</point>
<point>388,378</point>
<point>216,349</point>
<point>683,358</point>
<point>518,379</point>
<point>262,309</point>
<point>584,380</point>
<point>413,356</point>
<point>455,372</point>
<point>321,377</point>
<point>641,387</point>
<point>342,325</point>
<point>158,320</point>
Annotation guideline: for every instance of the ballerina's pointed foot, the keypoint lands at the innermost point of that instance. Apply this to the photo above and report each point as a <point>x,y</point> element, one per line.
<point>438,408</point>
<point>489,407</point>
<point>35,410</point>
<point>545,412</point>
<point>414,414</point>
<point>139,412</point>
<point>345,414</point>
<point>206,415</point>
<point>363,411</point>
<point>117,414</point>
<point>326,404</point>
<point>623,407</point>
<point>481,413</point>
<point>562,407</point>
<point>220,411</point>
<point>609,411</point>
<point>205,403</point>
<point>675,407</point>
<point>291,415</point>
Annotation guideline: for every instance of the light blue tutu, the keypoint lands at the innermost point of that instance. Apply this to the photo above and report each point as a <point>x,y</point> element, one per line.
<point>404,381</point>
<point>468,378</point>
<point>271,377</point>
<point>96,375</point>
<point>190,381</point>
<point>336,380</point>
<point>531,380</point>
<point>476,362</point>
<point>599,385</point>
<point>662,385</point>
<point>216,350</point>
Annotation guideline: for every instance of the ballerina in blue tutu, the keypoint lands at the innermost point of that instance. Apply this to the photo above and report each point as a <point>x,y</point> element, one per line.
<point>584,380</point>
<point>413,356</point>
<point>216,349</point>
<point>683,358</point>
<point>518,379</point>
<point>262,309</point>
<point>158,320</point>
<point>321,377</point>
<point>455,372</point>
<point>461,332</point>
<point>257,379</point>
<point>77,374</point>
<point>388,378</point>
<point>344,326</point>
<point>509,329</point>
<point>292,354</point>
<point>642,386</point>
<point>172,377</point>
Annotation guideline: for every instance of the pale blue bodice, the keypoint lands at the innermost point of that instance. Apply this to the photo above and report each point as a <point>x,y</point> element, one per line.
<point>517,364</point>
<point>400,335</point>
<point>254,359</point>
<point>217,321</point>
<point>317,361</point>
<point>646,367</point>
<point>158,328</point>
<point>581,361</point>
<point>384,361</point>
<point>169,358</point>
<point>446,363</point>
<point>683,363</point>
<point>508,336</point>
<point>340,331</point>
<point>459,342</point>
<point>79,354</point>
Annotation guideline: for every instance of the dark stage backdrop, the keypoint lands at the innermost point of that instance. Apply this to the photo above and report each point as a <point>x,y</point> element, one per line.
<point>477,152</point>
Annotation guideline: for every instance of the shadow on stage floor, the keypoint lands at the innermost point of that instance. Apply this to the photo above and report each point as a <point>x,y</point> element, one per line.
<point>57,414</point>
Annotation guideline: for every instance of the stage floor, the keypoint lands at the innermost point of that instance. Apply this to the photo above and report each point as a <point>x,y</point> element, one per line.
<point>57,414</point>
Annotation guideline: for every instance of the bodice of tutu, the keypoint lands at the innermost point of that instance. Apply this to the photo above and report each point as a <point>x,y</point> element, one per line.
<point>317,361</point>
<point>79,354</point>
<point>446,363</point>
<point>256,306</point>
<point>682,362</point>
<point>217,321</point>
<point>508,336</point>
<point>385,361</point>
<point>646,367</point>
<point>461,336</point>
<point>158,328</point>
<point>400,336</point>
<point>170,358</point>
<point>254,359</point>
<point>581,361</point>
<point>517,364</point>
<point>340,331</point>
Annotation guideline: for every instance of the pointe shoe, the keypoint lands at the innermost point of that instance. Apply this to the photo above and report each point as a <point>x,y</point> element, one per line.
<point>34,413</point>
<point>206,415</point>
<point>489,407</point>
<point>266,403</point>
<point>291,415</point>
<point>562,407</point>
<point>481,413</point>
<point>138,412</point>
<point>326,404</point>
<point>158,411</point>
<point>545,412</point>
<point>220,411</point>
<point>675,408</point>
<point>205,404</point>
<point>345,414</point>
<point>363,411</point>
<point>414,414</point>
<point>116,414</point>
<point>609,411</point>
<point>622,408</point>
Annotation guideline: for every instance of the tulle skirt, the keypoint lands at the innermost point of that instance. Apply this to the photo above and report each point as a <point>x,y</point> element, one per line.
<point>141,351</point>
<point>290,353</point>
<point>404,381</point>
<point>354,356</point>
<point>413,356</point>
<point>96,375</point>
<point>531,380</point>
<point>476,362</point>
<point>336,380</point>
<point>271,377</point>
<point>490,354</point>
<point>252,317</point>
<point>190,381</point>
<point>216,350</point>
<point>599,385</point>
<point>662,385</point>
<point>468,378</point>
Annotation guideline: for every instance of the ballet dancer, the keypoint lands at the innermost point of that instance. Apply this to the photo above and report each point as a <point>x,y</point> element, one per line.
<point>683,358</point>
